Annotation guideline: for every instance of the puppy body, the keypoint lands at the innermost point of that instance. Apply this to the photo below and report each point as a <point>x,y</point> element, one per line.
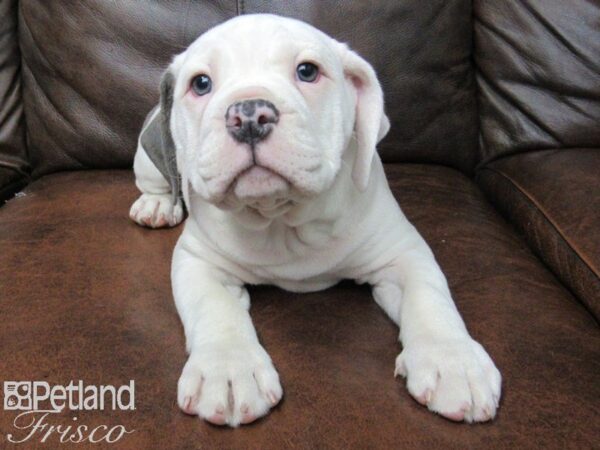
<point>303,209</point>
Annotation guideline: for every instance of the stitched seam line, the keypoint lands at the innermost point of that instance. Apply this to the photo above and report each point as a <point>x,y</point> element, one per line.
<point>546,216</point>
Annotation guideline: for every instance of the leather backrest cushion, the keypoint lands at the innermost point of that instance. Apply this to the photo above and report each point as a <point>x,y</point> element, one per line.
<point>538,74</point>
<point>91,71</point>
<point>13,154</point>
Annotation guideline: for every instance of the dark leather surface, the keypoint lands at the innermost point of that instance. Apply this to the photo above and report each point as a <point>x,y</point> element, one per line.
<point>538,74</point>
<point>10,182</point>
<point>14,167</point>
<point>88,297</point>
<point>92,71</point>
<point>553,198</point>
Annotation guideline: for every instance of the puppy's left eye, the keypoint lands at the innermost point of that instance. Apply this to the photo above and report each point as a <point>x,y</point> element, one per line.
<point>201,84</point>
<point>307,72</point>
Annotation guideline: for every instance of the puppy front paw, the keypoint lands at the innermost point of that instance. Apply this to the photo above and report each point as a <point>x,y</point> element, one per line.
<point>229,384</point>
<point>455,378</point>
<point>156,211</point>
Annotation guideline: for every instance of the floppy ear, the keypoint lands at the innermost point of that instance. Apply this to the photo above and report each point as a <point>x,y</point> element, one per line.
<point>156,137</point>
<point>371,124</point>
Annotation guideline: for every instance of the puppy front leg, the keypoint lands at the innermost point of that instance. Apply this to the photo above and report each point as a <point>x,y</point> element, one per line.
<point>229,377</point>
<point>445,369</point>
<point>154,208</point>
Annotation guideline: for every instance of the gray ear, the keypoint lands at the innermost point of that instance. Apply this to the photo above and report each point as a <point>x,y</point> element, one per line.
<point>156,138</point>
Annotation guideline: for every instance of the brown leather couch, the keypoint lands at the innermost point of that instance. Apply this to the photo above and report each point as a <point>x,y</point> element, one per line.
<point>493,154</point>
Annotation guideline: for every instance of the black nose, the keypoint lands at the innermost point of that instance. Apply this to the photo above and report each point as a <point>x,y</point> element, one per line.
<point>251,121</point>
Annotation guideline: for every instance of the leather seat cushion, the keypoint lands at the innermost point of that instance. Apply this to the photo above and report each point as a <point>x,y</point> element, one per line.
<point>86,295</point>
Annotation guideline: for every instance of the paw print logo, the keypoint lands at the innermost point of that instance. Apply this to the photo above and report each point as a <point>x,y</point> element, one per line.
<point>17,395</point>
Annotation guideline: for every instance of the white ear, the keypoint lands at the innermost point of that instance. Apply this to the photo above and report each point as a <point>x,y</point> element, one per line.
<point>371,124</point>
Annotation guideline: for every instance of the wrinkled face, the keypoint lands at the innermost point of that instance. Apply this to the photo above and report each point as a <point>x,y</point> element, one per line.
<point>262,112</point>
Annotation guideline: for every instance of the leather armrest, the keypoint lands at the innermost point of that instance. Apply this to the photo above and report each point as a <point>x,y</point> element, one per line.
<point>553,198</point>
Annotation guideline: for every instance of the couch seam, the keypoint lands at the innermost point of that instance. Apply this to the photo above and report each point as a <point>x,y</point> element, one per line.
<point>27,161</point>
<point>546,216</point>
<point>22,84</point>
<point>477,90</point>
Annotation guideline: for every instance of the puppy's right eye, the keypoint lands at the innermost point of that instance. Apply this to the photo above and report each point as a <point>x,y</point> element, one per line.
<point>307,72</point>
<point>201,84</point>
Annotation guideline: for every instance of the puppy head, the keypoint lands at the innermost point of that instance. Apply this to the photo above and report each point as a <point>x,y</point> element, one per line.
<point>262,108</point>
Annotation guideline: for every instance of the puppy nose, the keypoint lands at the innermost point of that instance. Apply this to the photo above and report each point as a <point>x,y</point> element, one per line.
<point>251,121</point>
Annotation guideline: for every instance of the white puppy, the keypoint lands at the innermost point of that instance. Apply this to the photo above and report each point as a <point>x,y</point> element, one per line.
<point>269,127</point>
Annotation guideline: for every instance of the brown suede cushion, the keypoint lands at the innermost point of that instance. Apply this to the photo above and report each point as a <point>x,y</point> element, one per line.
<point>553,198</point>
<point>86,295</point>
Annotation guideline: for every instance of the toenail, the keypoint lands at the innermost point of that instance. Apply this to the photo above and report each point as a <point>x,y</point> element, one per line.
<point>272,397</point>
<point>425,397</point>
<point>488,412</point>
